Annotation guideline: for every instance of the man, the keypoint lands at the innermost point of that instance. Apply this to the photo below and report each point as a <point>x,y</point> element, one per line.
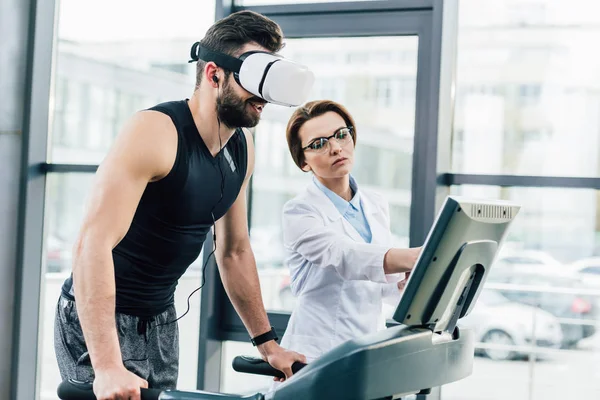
<point>172,172</point>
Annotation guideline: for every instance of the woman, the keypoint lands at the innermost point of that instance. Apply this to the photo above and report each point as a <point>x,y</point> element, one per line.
<point>336,237</point>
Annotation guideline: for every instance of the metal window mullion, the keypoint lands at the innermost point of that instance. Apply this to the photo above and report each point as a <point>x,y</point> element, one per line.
<point>422,195</point>
<point>28,280</point>
<point>352,24</point>
<point>575,182</point>
<point>223,8</point>
<point>339,8</point>
<point>212,301</point>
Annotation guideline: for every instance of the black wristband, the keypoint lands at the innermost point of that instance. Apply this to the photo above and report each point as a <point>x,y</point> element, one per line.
<point>265,337</point>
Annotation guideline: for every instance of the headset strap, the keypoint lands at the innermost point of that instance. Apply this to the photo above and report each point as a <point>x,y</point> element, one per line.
<point>225,61</point>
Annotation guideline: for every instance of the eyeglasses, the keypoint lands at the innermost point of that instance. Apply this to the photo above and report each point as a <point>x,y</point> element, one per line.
<point>321,145</point>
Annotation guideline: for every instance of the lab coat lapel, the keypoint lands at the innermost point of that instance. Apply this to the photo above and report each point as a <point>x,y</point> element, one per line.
<point>379,233</point>
<point>324,204</point>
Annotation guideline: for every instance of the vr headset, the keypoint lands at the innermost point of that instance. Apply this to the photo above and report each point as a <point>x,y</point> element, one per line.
<point>268,76</point>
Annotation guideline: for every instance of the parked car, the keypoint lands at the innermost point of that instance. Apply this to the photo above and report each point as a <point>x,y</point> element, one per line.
<point>496,320</point>
<point>58,255</point>
<point>588,269</point>
<point>568,306</point>
<point>519,258</point>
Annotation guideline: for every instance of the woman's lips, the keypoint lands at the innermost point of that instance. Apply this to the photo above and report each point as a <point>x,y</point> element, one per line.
<point>339,160</point>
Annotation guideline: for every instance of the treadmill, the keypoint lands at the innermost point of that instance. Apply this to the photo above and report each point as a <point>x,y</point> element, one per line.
<point>425,350</point>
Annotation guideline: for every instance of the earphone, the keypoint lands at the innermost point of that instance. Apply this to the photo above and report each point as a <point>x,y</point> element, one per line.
<point>216,80</point>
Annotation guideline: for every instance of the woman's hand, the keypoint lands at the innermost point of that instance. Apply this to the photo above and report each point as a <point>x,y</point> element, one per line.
<point>401,260</point>
<point>402,283</point>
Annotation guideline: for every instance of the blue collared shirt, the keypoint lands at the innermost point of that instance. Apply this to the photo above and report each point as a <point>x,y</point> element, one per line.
<point>351,210</point>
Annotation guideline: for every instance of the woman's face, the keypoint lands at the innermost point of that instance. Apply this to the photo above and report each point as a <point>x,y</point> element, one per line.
<point>327,158</point>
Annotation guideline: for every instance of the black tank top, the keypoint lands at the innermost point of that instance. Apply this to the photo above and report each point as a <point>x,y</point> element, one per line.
<point>174,217</point>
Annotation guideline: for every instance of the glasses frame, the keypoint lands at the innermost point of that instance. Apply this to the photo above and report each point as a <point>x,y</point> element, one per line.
<point>328,138</point>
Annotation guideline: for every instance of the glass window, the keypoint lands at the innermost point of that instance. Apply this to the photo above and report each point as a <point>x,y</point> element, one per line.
<point>104,76</point>
<point>491,298</point>
<point>528,88</point>
<point>283,2</point>
<point>539,235</point>
<point>550,321</point>
<point>383,158</point>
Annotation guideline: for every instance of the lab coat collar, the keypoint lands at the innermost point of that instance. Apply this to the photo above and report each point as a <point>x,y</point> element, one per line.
<point>341,204</point>
<point>325,205</point>
<point>323,202</point>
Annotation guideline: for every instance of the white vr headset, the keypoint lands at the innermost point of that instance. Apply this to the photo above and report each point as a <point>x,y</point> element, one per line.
<point>268,76</point>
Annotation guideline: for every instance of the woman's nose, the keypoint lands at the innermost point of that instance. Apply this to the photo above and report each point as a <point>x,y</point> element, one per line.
<point>334,146</point>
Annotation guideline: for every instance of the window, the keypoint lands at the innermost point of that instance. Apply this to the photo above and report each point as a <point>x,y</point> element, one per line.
<point>102,77</point>
<point>538,51</point>
<point>555,227</point>
<point>521,260</point>
<point>526,13</point>
<point>383,92</point>
<point>529,94</point>
<point>106,76</point>
<point>273,2</point>
<point>383,157</point>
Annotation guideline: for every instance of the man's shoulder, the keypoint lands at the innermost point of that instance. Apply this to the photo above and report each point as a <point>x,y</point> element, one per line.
<point>152,120</point>
<point>169,105</point>
<point>147,142</point>
<point>176,112</point>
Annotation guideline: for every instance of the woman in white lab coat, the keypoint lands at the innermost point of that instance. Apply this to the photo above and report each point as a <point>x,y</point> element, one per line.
<point>337,238</point>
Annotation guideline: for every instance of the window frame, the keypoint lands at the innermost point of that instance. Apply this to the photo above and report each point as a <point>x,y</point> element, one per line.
<point>431,20</point>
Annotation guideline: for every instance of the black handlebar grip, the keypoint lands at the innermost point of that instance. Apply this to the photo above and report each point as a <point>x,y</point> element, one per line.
<point>76,390</point>
<point>255,365</point>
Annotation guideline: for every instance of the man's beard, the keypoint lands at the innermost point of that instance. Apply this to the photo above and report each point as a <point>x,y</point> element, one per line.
<point>232,110</point>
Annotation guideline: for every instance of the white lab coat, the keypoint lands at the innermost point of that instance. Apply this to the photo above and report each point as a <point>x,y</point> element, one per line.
<point>338,279</point>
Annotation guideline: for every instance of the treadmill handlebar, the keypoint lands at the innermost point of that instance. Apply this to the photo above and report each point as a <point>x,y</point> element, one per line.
<point>76,390</point>
<point>255,365</point>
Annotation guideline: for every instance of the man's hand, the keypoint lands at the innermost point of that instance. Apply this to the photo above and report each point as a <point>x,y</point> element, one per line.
<point>280,358</point>
<point>118,384</point>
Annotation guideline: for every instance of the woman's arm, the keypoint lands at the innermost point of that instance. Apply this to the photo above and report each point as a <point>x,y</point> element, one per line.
<point>305,233</point>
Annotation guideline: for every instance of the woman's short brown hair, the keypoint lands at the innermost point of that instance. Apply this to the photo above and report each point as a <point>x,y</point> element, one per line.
<point>307,112</point>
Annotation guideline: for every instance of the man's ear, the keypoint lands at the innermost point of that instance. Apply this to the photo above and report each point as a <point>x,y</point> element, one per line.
<point>210,71</point>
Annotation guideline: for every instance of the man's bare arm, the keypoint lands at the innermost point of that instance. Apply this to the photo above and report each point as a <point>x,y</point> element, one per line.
<point>144,151</point>
<point>235,258</point>
<point>240,277</point>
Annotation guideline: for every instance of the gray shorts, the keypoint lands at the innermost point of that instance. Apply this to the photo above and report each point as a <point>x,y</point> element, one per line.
<point>148,350</point>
